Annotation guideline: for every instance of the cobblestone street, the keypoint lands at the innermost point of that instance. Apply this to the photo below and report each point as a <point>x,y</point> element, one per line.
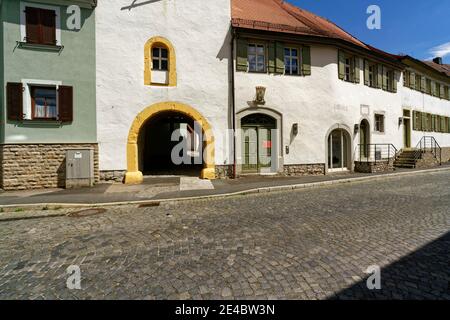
<point>306,244</point>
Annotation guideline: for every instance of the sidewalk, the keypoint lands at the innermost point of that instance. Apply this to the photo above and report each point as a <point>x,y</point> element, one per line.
<point>161,189</point>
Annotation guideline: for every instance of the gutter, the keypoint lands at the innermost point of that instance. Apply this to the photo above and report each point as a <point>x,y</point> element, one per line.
<point>233,100</point>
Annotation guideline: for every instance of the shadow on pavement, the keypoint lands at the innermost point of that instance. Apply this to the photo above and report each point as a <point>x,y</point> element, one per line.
<point>424,274</point>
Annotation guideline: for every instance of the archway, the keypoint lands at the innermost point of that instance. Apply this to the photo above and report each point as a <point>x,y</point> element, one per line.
<point>339,151</point>
<point>263,126</point>
<point>155,114</point>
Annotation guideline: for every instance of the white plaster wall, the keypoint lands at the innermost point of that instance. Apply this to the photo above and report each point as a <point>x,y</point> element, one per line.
<point>318,102</point>
<point>415,100</point>
<point>198,30</point>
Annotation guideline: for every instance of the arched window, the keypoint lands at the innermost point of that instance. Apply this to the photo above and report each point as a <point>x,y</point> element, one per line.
<point>160,63</point>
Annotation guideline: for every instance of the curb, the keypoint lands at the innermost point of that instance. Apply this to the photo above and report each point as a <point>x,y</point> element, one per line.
<point>38,206</point>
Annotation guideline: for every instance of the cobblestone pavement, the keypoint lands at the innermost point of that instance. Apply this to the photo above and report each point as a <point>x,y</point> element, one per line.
<point>308,244</point>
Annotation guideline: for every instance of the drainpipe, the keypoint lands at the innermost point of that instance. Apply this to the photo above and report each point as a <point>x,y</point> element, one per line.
<point>233,101</point>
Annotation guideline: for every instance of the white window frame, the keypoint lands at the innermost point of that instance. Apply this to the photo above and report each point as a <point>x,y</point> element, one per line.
<point>27,84</point>
<point>382,114</point>
<point>23,19</point>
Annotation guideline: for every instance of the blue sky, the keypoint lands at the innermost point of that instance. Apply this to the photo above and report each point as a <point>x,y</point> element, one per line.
<point>420,28</point>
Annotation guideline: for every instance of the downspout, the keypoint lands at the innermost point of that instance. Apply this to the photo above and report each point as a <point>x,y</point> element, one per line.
<point>233,101</point>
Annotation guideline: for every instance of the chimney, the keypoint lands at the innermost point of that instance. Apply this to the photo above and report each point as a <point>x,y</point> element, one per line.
<point>437,60</point>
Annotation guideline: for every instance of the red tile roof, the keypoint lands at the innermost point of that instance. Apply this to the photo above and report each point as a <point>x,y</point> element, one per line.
<point>279,16</point>
<point>443,68</point>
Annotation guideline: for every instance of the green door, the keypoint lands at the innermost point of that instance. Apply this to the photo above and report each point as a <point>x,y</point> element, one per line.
<point>257,143</point>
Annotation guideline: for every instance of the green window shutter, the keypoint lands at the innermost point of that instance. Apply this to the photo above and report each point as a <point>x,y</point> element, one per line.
<point>380,76</point>
<point>279,58</point>
<point>433,122</point>
<point>414,120</point>
<point>385,84</point>
<point>405,79</point>
<point>423,86</point>
<point>271,54</point>
<point>442,92</point>
<point>357,68</point>
<point>394,82</point>
<point>306,61</point>
<point>412,80</point>
<point>242,57</point>
<point>448,125</point>
<point>433,88</point>
<point>419,121</point>
<point>424,122</point>
<point>341,64</point>
<point>366,73</point>
<point>446,93</point>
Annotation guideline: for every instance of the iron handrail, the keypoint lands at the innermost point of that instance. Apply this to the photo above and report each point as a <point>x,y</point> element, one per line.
<point>365,151</point>
<point>434,146</point>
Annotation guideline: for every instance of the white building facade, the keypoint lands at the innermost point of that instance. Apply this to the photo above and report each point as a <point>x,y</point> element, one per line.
<point>302,98</point>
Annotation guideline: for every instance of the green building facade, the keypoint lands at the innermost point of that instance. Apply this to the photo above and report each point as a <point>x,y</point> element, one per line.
<point>47,94</point>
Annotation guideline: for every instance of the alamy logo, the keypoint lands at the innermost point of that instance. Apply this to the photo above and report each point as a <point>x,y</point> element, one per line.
<point>374,20</point>
<point>74,17</point>
<point>374,281</point>
<point>74,280</point>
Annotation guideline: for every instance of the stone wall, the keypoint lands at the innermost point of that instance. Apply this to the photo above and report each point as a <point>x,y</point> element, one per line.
<point>304,169</point>
<point>374,167</point>
<point>112,176</point>
<point>428,160</point>
<point>445,154</point>
<point>224,171</point>
<point>35,166</point>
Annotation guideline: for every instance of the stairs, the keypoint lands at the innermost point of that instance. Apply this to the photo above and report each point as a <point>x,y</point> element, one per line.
<point>407,159</point>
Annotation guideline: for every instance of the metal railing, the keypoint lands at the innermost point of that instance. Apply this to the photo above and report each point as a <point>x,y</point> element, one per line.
<point>377,153</point>
<point>428,144</point>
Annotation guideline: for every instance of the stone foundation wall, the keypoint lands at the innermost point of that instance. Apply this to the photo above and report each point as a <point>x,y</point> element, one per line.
<point>374,167</point>
<point>36,166</point>
<point>304,169</point>
<point>428,161</point>
<point>112,176</point>
<point>224,171</point>
<point>445,154</point>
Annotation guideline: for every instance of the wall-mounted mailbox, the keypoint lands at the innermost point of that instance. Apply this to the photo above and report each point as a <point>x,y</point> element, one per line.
<point>79,168</point>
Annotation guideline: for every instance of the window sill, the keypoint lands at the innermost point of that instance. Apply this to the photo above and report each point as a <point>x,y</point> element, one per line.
<point>41,122</point>
<point>43,47</point>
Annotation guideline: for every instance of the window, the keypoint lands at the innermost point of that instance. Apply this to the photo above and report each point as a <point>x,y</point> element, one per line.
<point>291,61</point>
<point>160,63</point>
<point>443,124</point>
<point>379,123</point>
<point>160,59</point>
<point>348,69</point>
<point>256,58</point>
<point>43,102</point>
<point>40,26</point>
<point>406,79</point>
<point>39,100</point>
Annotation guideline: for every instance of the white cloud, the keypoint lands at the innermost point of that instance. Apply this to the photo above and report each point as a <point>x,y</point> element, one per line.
<point>440,51</point>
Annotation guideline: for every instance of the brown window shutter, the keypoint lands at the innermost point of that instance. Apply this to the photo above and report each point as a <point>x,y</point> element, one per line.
<point>48,25</point>
<point>65,103</point>
<point>32,25</point>
<point>14,101</point>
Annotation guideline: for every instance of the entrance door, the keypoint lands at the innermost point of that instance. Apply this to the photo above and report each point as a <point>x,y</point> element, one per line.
<point>364,138</point>
<point>338,145</point>
<point>407,133</point>
<point>257,143</point>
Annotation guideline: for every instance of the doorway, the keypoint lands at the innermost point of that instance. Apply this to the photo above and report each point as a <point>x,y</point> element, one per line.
<point>338,151</point>
<point>364,138</point>
<point>258,143</point>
